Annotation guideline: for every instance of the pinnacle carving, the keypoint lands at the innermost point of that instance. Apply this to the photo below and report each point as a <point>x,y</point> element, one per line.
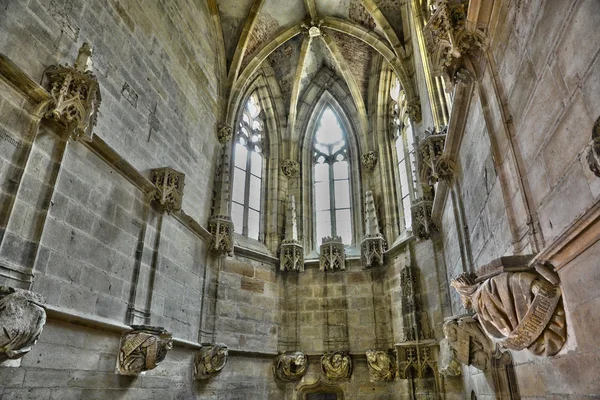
<point>75,96</point>
<point>373,245</point>
<point>291,252</point>
<point>169,188</point>
<point>369,160</point>
<point>220,225</point>
<point>142,348</point>
<point>290,168</point>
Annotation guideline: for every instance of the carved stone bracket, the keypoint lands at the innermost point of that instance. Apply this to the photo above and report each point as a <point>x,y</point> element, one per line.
<point>76,96</point>
<point>593,156</point>
<point>224,132</point>
<point>517,307</point>
<point>142,349</point>
<point>169,184</point>
<point>336,366</point>
<point>210,360</point>
<point>369,160</point>
<point>290,367</point>
<point>290,168</point>
<point>413,109</point>
<point>22,318</point>
<point>415,359</point>
<point>221,230</point>
<point>449,38</point>
<point>382,365</point>
<point>433,166</point>
<point>332,254</point>
<point>422,224</point>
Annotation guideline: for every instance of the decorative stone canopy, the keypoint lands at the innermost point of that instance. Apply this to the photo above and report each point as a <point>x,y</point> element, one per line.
<point>22,318</point>
<point>336,365</point>
<point>332,254</point>
<point>290,367</point>
<point>75,96</point>
<point>169,188</point>
<point>382,365</point>
<point>142,348</point>
<point>210,360</point>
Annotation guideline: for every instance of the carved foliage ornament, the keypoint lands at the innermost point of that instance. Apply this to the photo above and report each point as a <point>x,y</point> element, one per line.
<point>422,224</point>
<point>382,365</point>
<point>22,319</point>
<point>169,184</point>
<point>142,349</point>
<point>290,367</point>
<point>517,310</point>
<point>224,132</point>
<point>433,166</point>
<point>210,360</point>
<point>336,366</point>
<point>75,95</point>
<point>332,254</point>
<point>290,168</point>
<point>369,160</point>
<point>593,156</point>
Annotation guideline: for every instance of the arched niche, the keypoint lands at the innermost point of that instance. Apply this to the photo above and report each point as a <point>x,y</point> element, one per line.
<point>320,391</point>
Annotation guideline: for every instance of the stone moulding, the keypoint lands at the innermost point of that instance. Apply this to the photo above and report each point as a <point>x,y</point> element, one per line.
<point>75,96</point>
<point>290,367</point>
<point>539,324</point>
<point>169,188</point>
<point>422,224</point>
<point>290,168</point>
<point>336,365</point>
<point>382,365</point>
<point>142,348</point>
<point>22,319</point>
<point>369,160</point>
<point>332,254</point>
<point>210,360</point>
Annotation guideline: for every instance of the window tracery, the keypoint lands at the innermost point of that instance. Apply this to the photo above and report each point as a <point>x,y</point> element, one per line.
<point>246,204</point>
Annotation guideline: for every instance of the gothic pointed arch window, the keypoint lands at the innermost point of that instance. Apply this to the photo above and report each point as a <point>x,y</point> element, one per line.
<point>246,204</point>
<point>331,179</point>
<point>405,153</point>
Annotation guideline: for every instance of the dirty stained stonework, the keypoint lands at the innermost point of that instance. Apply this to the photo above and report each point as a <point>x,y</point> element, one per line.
<point>514,85</point>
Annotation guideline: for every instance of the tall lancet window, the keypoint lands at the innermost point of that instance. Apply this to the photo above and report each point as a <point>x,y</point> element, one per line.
<point>333,216</point>
<point>248,171</point>
<point>405,153</point>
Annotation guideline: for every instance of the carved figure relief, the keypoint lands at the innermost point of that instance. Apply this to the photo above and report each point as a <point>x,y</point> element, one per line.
<point>169,184</point>
<point>517,310</point>
<point>382,365</point>
<point>337,365</point>
<point>290,367</point>
<point>332,254</point>
<point>22,319</point>
<point>210,360</point>
<point>76,95</point>
<point>142,349</point>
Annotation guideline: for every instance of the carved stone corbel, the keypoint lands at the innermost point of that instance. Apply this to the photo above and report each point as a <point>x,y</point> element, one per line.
<point>369,160</point>
<point>422,224</point>
<point>593,156</point>
<point>332,254</point>
<point>290,168</point>
<point>76,96</point>
<point>336,365</point>
<point>290,367</point>
<point>433,166</point>
<point>169,184</point>
<point>382,365</point>
<point>22,318</point>
<point>224,132</point>
<point>210,360</point>
<point>516,307</point>
<point>413,109</point>
<point>142,348</point>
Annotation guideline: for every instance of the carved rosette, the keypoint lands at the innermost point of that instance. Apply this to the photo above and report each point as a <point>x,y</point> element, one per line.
<point>422,224</point>
<point>449,38</point>
<point>369,160</point>
<point>75,96</point>
<point>210,360</point>
<point>533,318</point>
<point>169,188</point>
<point>593,156</point>
<point>336,366</point>
<point>142,348</point>
<point>290,367</point>
<point>382,365</point>
<point>22,318</point>
<point>413,109</point>
<point>415,359</point>
<point>221,230</point>
<point>332,254</point>
<point>290,168</point>
<point>224,132</point>
<point>433,166</point>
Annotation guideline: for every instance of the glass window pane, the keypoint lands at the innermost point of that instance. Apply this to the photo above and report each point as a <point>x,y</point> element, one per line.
<point>256,164</point>
<point>407,216</point>
<point>343,225</point>
<point>321,172</point>
<point>329,130</point>
<point>239,183</point>
<point>322,196</point>
<point>237,216</point>
<point>241,152</point>
<point>253,224</point>
<point>340,170</point>
<point>323,225</point>
<point>342,194</point>
<point>403,177</point>
<point>254,197</point>
<point>399,149</point>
